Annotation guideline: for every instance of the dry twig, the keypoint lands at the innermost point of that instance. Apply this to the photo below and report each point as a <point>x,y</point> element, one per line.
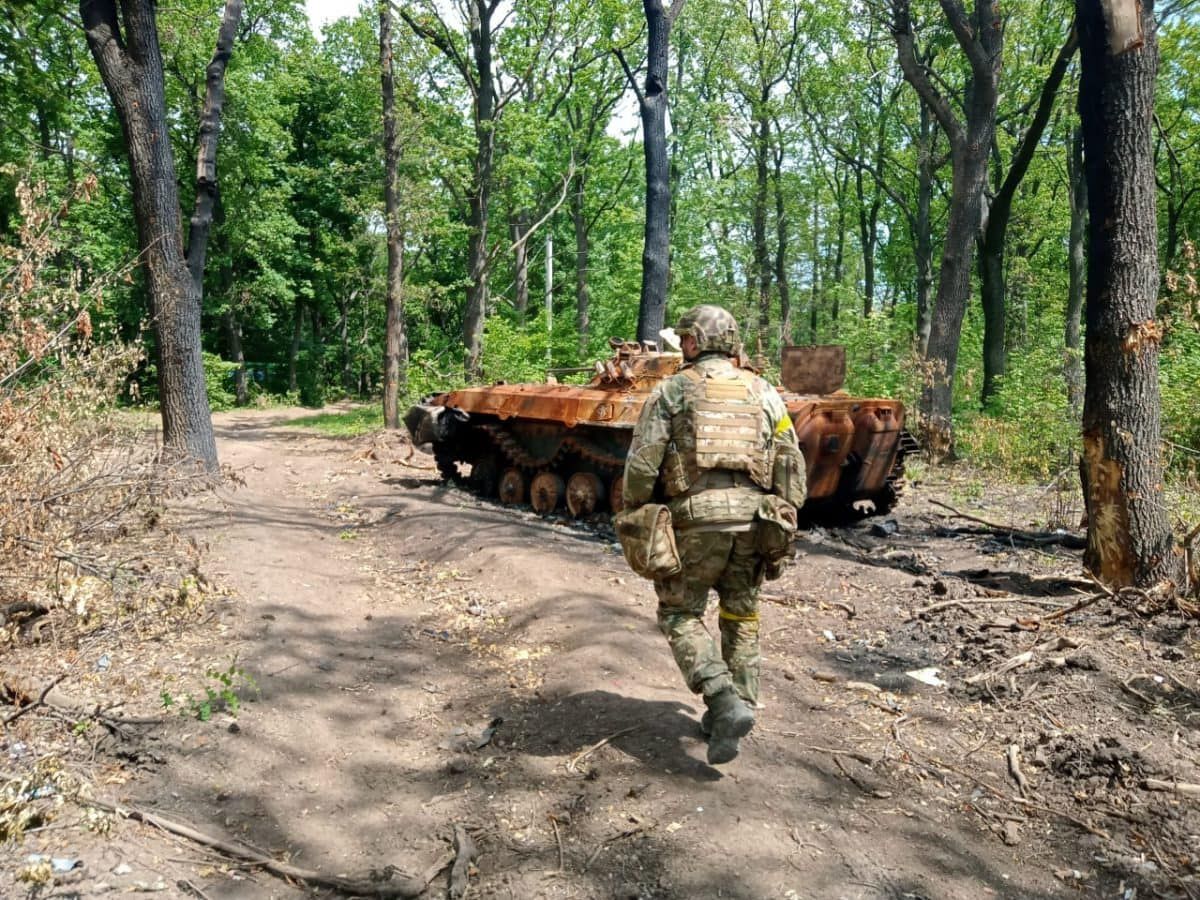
<point>584,754</point>
<point>406,886</point>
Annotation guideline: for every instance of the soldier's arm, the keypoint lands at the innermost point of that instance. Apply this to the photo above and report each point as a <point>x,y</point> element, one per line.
<point>789,473</point>
<point>777,415</point>
<point>650,439</point>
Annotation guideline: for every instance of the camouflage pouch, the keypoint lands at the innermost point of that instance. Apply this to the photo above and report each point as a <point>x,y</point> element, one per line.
<point>789,474</point>
<point>774,528</point>
<point>648,541</point>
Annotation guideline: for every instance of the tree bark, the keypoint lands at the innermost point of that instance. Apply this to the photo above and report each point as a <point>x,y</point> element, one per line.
<point>1077,191</point>
<point>981,38</point>
<point>519,228</point>
<point>814,300</point>
<point>233,334</point>
<point>395,353</point>
<point>868,236</point>
<point>124,43</point>
<point>1129,536</point>
<point>481,188</point>
<point>481,80</point>
<point>294,348</point>
<point>583,250</point>
<point>206,152</point>
<point>993,290</point>
<point>923,229</point>
<point>762,265</point>
<point>781,249</point>
<point>652,105</point>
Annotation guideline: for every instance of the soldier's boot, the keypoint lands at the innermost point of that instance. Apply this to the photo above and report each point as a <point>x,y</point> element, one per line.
<point>706,723</point>
<point>731,721</point>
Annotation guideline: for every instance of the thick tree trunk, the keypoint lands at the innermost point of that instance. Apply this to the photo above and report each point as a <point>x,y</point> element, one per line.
<point>583,250</point>
<point>481,190</point>
<point>992,291</point>
<point>395,353</point>
<point>980,37</point>
<point>1129,536</point>
<point>1077,188</point>
<point>653,108</point>
<point>125,46</point>
<point>923,238</point>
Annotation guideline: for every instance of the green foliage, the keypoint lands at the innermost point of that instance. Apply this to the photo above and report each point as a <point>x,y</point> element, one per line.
<point>218,382</point>
<point>353,422</point>
<point>220,692</point>
<point>513,353</point>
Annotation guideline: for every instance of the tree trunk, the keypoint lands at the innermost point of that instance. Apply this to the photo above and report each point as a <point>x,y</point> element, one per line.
<point>923,238</point>
<point>395,353</point>
<point>652,104</point>
<point>294,349</point>
<point>206,153</point>
<point>233,334</point>
<point>762,266</point>
<point>868,235</point>
<point>519,228</point>
<point>981,39</point>
<point>583,250</point>
<point>814,302</point>
<point>481,190</point>
<point>1077,188</point>
<point>125,46</point>
<point>993,288</point>
<point>781,248</point>
<point>1129,537</point>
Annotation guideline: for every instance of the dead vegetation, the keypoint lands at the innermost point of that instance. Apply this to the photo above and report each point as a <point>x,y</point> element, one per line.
<point>85,563</point>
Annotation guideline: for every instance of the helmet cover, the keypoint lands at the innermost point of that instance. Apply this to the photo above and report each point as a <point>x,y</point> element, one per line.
<point>714,329</point>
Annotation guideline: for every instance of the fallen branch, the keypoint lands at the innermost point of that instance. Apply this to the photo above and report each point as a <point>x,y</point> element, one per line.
<point>584,754</point>
<point>1036,538</point>
<point>1014,769</point>
<point>557,840</point>
<point>460,874</point>
<point>629,832</point>
<point>1185,788</point>
<point>1007,666</point>
<point>407,886</point>
<point>865,788</point>
<point>40,701</point>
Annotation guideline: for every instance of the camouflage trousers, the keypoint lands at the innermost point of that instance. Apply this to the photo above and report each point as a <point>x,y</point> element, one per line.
<point>725,561</point>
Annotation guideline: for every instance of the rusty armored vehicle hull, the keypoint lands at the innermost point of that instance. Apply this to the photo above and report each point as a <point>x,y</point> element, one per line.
<point>554,444</point>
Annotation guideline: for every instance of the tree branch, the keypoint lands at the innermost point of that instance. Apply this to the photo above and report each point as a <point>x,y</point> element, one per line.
<point>629,74</point>
<point>918,77</point>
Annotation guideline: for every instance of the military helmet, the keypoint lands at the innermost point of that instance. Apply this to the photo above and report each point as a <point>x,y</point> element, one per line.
<point>713,328</point>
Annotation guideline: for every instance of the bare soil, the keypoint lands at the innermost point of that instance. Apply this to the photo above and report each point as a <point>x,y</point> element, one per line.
<point>421,658</point>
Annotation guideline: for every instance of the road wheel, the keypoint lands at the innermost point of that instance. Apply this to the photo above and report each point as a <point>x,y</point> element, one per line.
<point>545,492</point>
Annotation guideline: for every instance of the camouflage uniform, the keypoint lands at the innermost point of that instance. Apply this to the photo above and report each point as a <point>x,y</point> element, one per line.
<point>714,517</point>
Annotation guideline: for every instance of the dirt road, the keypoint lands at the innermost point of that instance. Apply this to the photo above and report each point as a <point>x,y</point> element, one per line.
<point>423,658</point>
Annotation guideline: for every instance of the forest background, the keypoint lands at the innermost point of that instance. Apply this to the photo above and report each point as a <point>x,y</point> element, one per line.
<point>810,190</point>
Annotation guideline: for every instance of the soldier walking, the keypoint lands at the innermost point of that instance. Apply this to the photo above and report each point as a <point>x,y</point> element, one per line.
<point>715,445</point>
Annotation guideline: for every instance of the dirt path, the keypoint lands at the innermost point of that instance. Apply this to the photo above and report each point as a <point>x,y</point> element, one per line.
<point>424,659</point>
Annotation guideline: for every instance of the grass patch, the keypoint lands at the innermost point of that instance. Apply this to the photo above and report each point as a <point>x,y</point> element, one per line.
<point>353,422</point>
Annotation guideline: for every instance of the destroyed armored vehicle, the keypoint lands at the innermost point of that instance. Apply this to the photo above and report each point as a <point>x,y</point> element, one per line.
<point>554,444</point>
